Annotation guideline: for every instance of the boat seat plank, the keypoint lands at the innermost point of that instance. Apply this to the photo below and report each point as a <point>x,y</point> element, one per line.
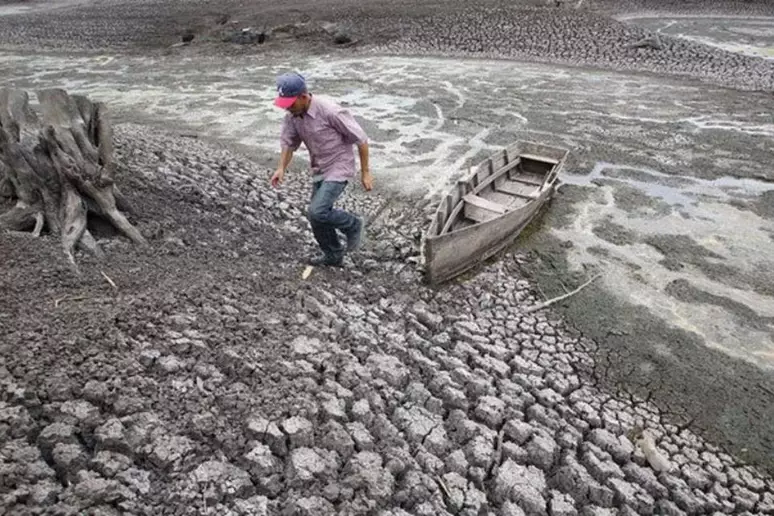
<point>519,189</point>
<point>480,209</point>
<point>485,203</point>
<point>544,159</point>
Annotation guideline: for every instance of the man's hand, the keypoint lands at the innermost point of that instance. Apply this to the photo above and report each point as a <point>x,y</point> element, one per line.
<point>277,178</point>
<point>367,180</point>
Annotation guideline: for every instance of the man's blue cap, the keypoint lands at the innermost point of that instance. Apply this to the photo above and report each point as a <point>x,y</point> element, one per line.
<point>289,87</point>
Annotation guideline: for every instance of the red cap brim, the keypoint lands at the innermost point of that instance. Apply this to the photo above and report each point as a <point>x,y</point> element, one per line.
<point>284,102</point>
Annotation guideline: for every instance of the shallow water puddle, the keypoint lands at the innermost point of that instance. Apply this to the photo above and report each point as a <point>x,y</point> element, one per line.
<point>691,250</point>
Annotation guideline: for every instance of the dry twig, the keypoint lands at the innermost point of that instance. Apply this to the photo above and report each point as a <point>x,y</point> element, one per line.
<point>110,281</point>
<point>550,302</point>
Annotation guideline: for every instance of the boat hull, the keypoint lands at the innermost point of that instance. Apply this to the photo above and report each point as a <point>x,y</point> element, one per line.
<point>450,252</point>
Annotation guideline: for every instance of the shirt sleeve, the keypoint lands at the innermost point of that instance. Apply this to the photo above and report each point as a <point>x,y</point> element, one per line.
<point>289,138</point>
<point>343,121</point>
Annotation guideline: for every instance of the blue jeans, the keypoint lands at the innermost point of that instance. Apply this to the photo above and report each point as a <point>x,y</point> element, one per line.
<point>325,219</point>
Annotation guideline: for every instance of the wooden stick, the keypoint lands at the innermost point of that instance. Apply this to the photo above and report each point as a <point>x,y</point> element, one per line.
<point>107,278</point>
<point>550,302</point>
<point>57,302</point>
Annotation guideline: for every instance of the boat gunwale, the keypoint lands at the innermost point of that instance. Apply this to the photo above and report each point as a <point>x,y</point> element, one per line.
<point>548,180</point>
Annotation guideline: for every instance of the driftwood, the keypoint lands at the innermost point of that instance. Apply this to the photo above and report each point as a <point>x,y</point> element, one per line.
<point>541,306</point>
<point>653,41</point>
<point>58,168</point>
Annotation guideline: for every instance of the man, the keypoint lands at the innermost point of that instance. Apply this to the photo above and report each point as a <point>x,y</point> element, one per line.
<point>329,133</point>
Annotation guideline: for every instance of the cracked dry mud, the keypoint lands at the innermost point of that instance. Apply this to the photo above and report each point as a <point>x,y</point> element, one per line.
<point>215,381</point>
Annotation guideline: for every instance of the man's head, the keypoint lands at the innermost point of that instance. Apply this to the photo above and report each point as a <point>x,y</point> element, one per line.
<point>292,93</point>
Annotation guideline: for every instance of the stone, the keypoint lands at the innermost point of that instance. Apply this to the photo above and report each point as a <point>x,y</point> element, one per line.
<point>170,364</point>
<point>668,508</point>
<point>518,431</point>
<point>696,477</point>
<point>430,320</point>
<point>69,458</point>
<point>573,478</point>
<point>388,368</point>
<point>334,409</point>
<point>766,503</point>
<point>618,446</point>
<point>96,490</point>
<point>588,413</point>
<point>601,469</point>
<point>511,509</point>
<point>303,345</point>
<point>561,504</point>
<point>624,492</point>
<point>523,366</point>
<point>314,506</point>
<point>45,492</point>
<point>261,462</point>
<point>515,452</point>
<point>112,436</point>
<point>547,417</point>
<point>417,423</point>
<point>490,410</point>
<point>300,432</point>
<point>686,500</point>
<point>542,451</point>
<point>365,471</point>
<point>306,463</point>
<point>336,438</point>
<point>524,485</point>
<point>138,480</point>
<point>646,479</point>
<point>457,463</point>
<point>480,451</point>
<point>54,434</point>
<point>361,411</point>
<point>169,449</point>
<point>229,480</point>
<point>549,397</point>
<point>254,506</point>
<point>454,398</point>
<point>108,463</point>
<point>360,436</point>
<point>80,412</point>
<point>753,482</point>
<point>268,433</point>
<point>342,38</point>
<point>743,497</point>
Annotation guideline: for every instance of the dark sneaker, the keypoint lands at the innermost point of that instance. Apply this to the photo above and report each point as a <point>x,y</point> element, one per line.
<point>325,260</point>
<point>355,236</point>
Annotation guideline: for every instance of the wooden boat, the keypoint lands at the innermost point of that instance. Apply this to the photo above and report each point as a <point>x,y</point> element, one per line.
<point>488,209</point>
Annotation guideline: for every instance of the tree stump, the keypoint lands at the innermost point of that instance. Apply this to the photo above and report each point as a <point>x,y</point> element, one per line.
<point>58,168</point>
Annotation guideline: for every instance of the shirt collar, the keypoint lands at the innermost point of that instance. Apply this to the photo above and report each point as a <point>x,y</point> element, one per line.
<point>313,109</point>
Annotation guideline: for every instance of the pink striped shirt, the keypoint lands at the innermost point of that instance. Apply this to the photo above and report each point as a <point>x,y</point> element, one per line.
<point>329,132</point>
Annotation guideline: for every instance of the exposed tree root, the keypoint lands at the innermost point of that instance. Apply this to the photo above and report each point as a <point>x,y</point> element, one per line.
<point>58,167</point>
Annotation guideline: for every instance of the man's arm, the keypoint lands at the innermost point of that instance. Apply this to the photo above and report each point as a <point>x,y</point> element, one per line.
<point>345,123</point>
<point>279,174</point>
<point>365,171</point>
<point>286,156</point>
<point>289,141</point>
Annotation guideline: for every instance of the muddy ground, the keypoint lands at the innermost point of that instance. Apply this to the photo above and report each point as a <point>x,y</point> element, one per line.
<point>214,380</point>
